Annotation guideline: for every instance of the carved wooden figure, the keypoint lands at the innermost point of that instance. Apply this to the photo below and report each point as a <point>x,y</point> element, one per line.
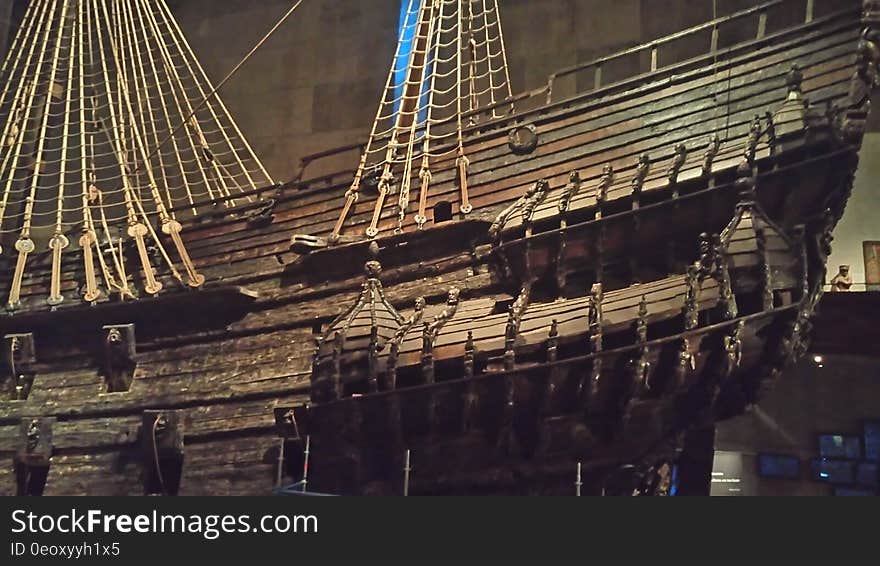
<point>471,399</point>
<point>119,357</point>
<point>605,182</point>
<point>755,133</point>
<point>33,458</point>
<point>19,357</point>
<point>678,162</point>
<point>711,152</point>
<point>594,322</point>
<point>643,167</point>
<point>843,281</point>
<point>641,367</point>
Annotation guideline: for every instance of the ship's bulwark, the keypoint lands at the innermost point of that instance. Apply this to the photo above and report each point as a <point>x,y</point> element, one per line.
<point>678,334</point>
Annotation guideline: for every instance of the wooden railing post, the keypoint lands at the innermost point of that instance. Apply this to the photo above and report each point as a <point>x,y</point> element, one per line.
<point>762,24</point>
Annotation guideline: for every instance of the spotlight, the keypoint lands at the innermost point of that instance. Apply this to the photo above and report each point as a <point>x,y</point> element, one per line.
<point>817,359</point>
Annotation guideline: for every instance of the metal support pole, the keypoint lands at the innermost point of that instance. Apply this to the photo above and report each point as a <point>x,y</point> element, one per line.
<point>406,470</point>
<point>578,483</point>
<point>305,480</point>
<point>280,464</point>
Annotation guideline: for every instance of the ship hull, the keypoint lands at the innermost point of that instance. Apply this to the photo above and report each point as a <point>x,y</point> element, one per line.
<point>528,379</point>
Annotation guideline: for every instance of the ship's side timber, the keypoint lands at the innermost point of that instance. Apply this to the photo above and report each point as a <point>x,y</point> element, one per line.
<point>605,380</point>
<point>226,376</point>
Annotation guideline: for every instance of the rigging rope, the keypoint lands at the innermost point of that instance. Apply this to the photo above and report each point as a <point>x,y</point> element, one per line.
<point>87,94</point>
<point>455,63</point>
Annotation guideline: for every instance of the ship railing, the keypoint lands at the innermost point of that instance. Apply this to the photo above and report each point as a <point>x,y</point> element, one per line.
<point>651,50</point>
<point>606,72</point>
<point>524,371</point>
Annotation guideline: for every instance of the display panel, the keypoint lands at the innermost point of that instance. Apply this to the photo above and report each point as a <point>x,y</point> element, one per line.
<point>833,471</point>
<point>779,466</point>
<point>866,474</point>
<point>852,492</point>
<point>840,446</point>
<point>872,441</point>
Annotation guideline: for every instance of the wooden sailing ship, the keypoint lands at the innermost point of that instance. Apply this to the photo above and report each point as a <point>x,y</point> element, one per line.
<point>552,283</point>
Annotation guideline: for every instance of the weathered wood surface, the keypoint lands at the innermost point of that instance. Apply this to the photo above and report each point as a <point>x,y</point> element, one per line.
<point>793,192</point>
<point>228,379</point>
<point>468,456</point>
<point>664,298</point>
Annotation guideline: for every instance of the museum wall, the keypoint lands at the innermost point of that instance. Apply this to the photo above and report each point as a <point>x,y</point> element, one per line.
<point>5,25</point>
<point>861,221</point>
<point>829,394</point>
<point>316,83</point>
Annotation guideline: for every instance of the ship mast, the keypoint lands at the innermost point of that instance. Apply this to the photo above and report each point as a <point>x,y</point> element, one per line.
<point>450,62</point>
<point>109,136</point>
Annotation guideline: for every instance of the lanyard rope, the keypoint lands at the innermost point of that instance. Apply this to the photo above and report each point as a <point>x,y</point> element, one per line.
<point>450,61</point>
<point>109,126</point>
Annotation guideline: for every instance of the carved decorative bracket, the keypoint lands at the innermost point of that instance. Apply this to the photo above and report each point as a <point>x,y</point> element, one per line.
<point>711,153</point>
<point>427,356</point>
<point>752,143</point>
<point>34,455</point>
<point>471,397</point>
<point>553,341</point>
<point>678,161</point>
<point>642,169</point>
<point>525,205</point>
<point>119,357</point>
<point>595,329</point>
<point>514,320</point>
<point>605,182</point>
<point>569,192</point>
<point>641,367</point>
